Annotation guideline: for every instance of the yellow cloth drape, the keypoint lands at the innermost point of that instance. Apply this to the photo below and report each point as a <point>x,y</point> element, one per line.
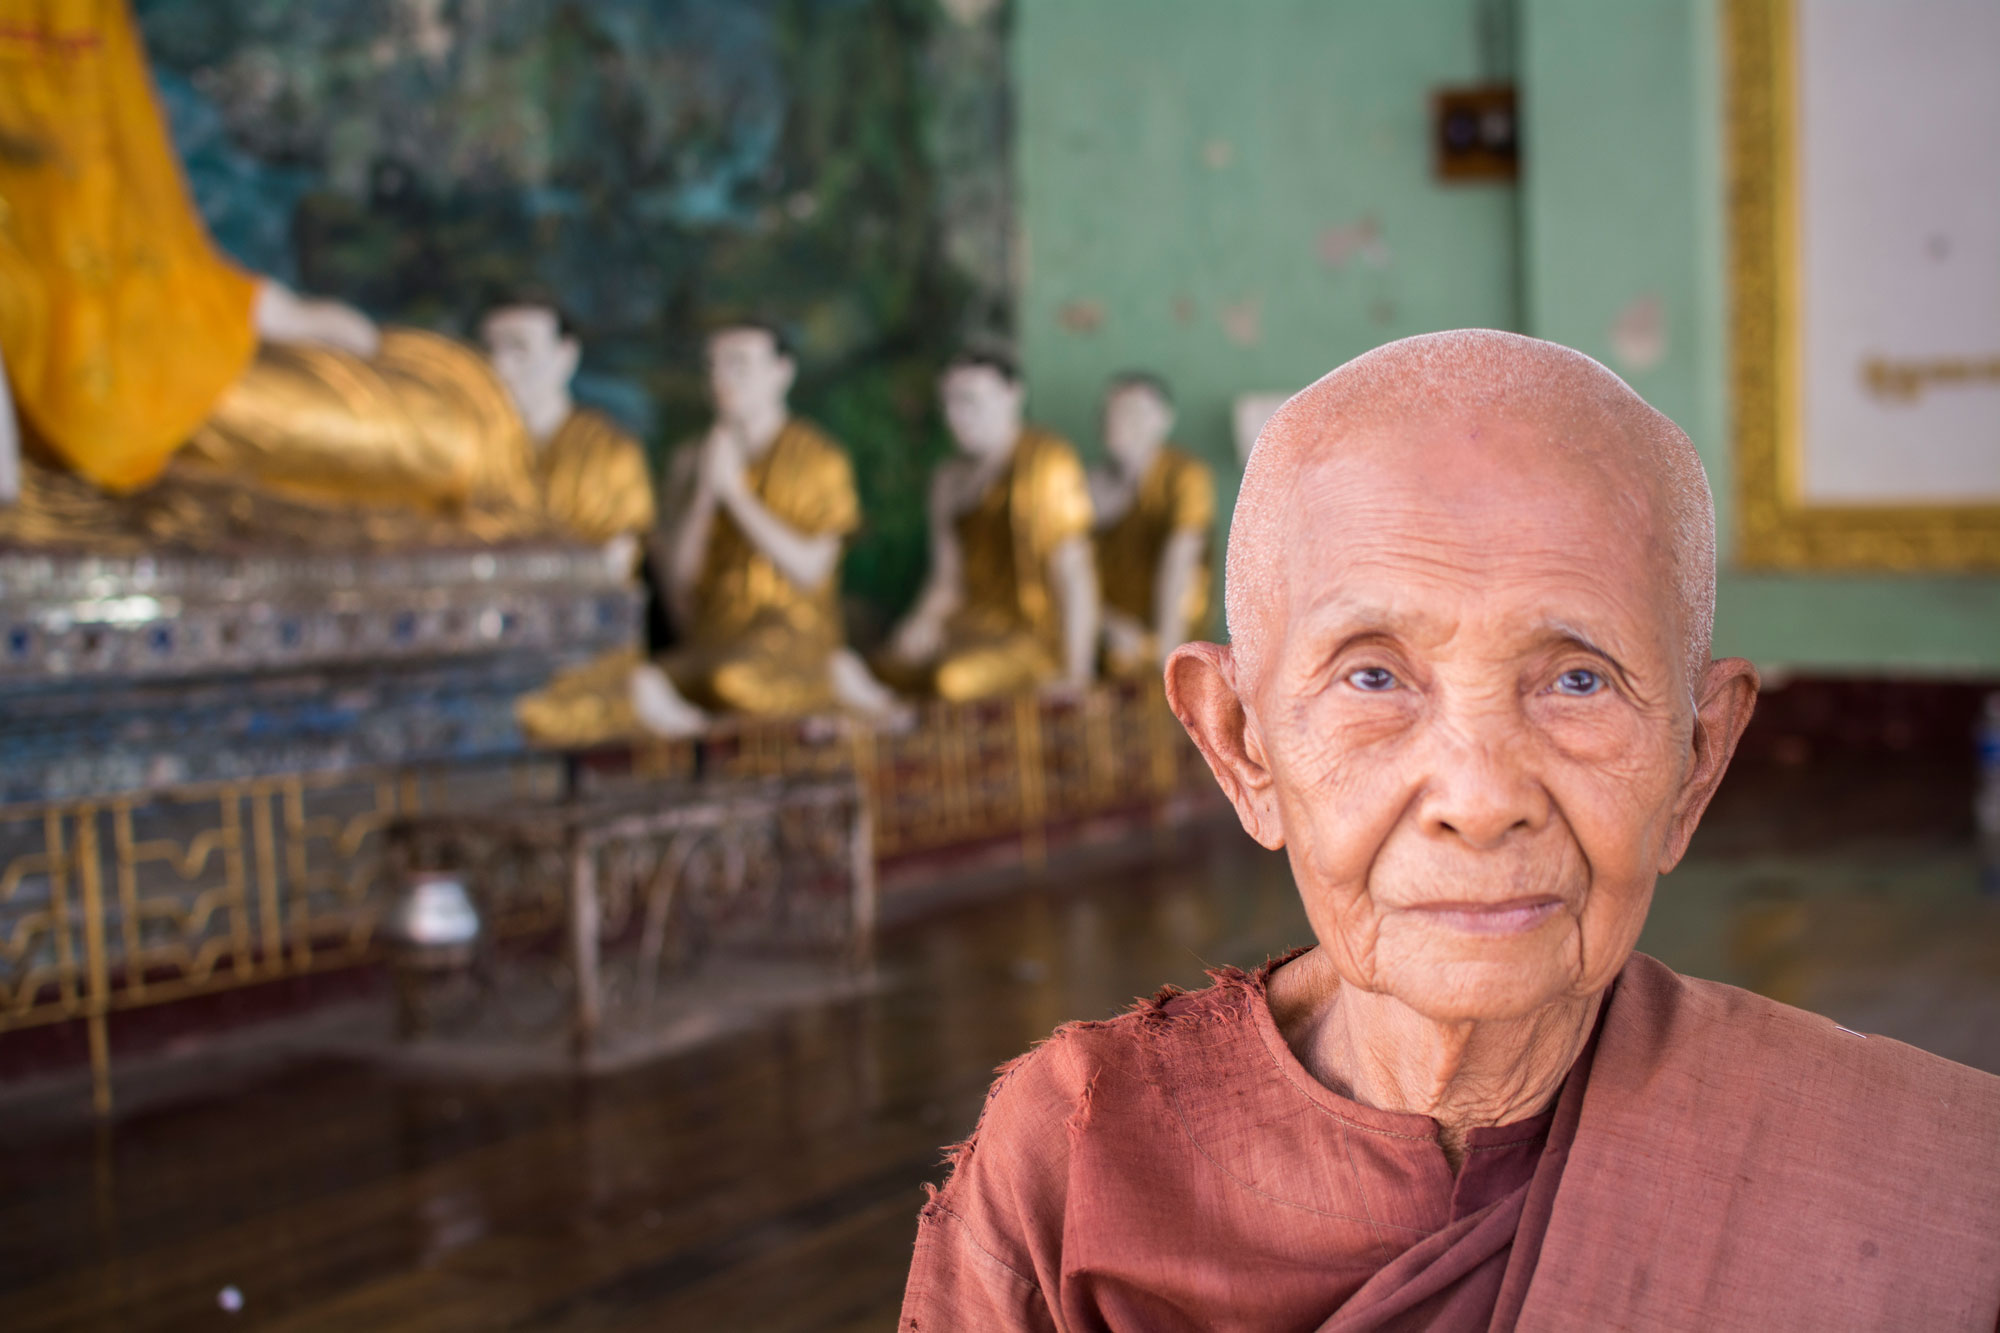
<point>1177,494</point>
<point>425,423</point>
<point>1007,634</point>
<point>593,479</point>
<point>585,705</point>
<point>196,507</point>
<point>120,323</point>
<point>759,643</point>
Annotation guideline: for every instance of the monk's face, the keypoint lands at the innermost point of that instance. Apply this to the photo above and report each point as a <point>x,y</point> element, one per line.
<point>982,409</point>
<point>1472,712</point>
<point>748,374</point>
<point>1137,421</point>
<point>530,354</point>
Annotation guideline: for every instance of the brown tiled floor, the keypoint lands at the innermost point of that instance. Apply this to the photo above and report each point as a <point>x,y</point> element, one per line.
<point>772,1183</point>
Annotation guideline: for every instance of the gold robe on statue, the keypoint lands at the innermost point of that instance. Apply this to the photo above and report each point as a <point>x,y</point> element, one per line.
<point>759,643</point>
<point>424,423</point>
<point>593,479</point>
<point>594,484</point>
<point>120,323</point>
<point>589,483</point>
<point>1006,635</point>
<point>1176,495</point>
<point>585,705</point>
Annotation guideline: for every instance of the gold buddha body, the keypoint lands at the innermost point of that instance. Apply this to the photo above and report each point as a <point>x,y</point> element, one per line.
<point>1011,600</point>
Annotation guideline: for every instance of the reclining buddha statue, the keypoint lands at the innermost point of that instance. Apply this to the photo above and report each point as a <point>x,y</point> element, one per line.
<point>146,368</point>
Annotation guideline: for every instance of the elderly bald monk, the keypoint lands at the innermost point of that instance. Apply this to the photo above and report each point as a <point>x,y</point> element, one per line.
<point>1470,586</point>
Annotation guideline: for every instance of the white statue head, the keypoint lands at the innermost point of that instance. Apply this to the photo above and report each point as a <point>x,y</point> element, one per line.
<point>983,397</point>
<point>1138,417</point>
<point>535,355</point>
<point>750,371</point>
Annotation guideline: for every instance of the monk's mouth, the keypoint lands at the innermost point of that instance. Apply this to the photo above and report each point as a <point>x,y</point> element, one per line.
<point>1513,916</point>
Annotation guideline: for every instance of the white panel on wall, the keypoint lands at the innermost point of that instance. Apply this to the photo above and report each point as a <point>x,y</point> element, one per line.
<point>1899,230</point>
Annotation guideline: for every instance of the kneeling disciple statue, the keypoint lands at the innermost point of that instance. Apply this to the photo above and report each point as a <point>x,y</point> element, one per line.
<point>1011,603</point>
<point>757,511</point>
<point>1154,506</point>
<point>1469,690</point>
<point>753,565</point>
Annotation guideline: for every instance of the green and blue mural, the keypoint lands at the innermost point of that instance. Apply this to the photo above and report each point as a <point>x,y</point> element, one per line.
<point>837,167</point>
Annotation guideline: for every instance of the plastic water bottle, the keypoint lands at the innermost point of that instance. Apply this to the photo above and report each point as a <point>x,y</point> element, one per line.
<point>1986,797</point>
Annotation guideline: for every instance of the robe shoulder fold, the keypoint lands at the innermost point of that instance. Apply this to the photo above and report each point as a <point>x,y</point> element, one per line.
<point>1172,1169</point>
<point>1051,500</point>
<point>1743,1164</point>
<point>594,478</point>
<point>808,482</point>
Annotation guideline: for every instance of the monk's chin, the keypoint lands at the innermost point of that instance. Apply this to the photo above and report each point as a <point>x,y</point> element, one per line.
<point>1453,977</point>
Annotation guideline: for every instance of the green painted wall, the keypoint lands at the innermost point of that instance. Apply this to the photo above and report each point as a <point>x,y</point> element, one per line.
<point>1623,198</point>
<point>1238,196</point>
<point>1181,162</point>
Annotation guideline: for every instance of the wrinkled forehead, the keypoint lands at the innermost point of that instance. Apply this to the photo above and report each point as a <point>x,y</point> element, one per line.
<point>1483,529</point>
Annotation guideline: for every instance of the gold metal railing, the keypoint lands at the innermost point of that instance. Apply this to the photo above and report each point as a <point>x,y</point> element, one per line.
<point>117,902</point>
<point>977,772</point>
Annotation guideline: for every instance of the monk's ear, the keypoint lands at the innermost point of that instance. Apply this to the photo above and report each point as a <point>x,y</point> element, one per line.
<point>1722,705</point>
<point>1201,689</point>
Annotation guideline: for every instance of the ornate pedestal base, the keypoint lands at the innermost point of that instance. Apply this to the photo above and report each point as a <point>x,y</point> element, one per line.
<point>641,882</point>
<point>134,673</point>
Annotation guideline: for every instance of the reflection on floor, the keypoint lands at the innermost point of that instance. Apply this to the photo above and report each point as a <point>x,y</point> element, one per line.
<point>772,1182</point>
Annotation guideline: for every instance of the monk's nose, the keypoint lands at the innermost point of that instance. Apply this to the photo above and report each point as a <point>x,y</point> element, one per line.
<point>1482,790</point>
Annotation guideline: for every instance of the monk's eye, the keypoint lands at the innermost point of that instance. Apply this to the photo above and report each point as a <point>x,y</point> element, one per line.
<point>1372,680</point>
<point>1579,681</point>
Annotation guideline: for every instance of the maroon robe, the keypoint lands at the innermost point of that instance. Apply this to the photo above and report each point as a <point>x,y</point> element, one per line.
<point>1714,1160</point>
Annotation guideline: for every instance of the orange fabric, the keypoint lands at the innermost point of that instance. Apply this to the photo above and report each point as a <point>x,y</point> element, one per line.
<point>1744,1164</point>
<point>120,323</point>
<point>1715,1160</point>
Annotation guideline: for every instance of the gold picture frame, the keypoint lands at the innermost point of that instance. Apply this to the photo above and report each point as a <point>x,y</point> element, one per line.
<point>1776,529</point>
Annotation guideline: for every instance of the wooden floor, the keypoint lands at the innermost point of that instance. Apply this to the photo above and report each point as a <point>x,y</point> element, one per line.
<point>772,1183</point>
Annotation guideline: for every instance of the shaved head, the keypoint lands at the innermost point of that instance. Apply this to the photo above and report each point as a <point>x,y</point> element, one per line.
<point>1471,588</point>
<point>1533,407</point>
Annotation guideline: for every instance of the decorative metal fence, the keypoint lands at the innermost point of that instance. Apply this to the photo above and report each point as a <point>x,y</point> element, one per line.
<point>146,897</point>
<point>122,901</point>
<point>993,769</point>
